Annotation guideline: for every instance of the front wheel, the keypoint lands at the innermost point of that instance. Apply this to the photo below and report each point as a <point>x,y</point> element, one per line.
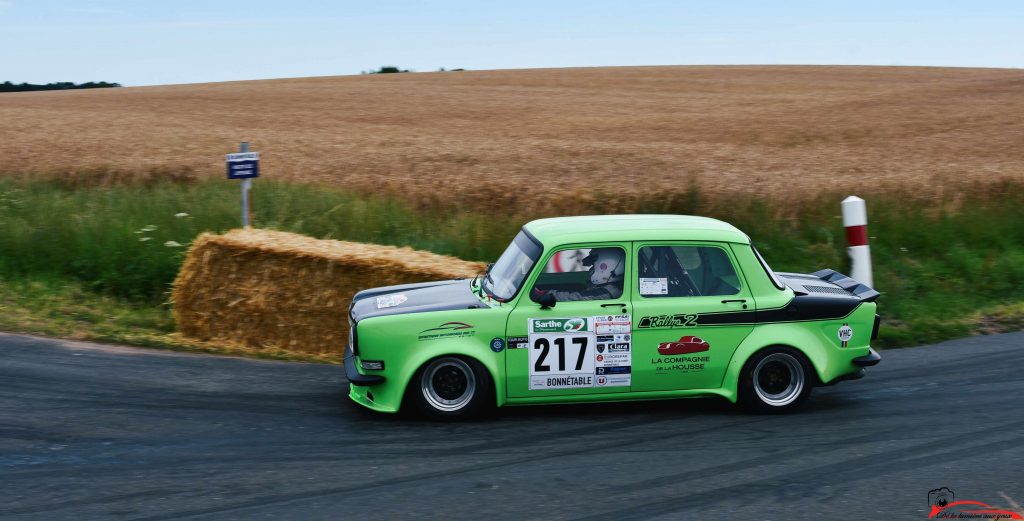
<point>775,380</point>
<point>451,388</point>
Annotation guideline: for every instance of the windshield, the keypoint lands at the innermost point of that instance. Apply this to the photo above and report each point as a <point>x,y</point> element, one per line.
<point>507,275</point>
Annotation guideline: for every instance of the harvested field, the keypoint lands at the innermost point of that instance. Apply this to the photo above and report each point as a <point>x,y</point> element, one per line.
<point>283,291</point>
<point>534,137</point>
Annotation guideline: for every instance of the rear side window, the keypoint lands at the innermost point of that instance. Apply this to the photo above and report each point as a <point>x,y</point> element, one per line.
<point>771,274</point>
<point>686,271</point>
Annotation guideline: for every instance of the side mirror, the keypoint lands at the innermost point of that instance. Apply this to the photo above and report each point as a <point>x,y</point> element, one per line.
<point>547,300</point>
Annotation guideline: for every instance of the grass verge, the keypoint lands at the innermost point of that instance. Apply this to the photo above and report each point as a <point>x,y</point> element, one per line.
<point>95,260</point>
<point>64,308</point>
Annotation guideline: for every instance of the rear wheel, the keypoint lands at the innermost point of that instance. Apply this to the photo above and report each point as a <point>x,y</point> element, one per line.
<point>775,380</point>
<point>451,388</point>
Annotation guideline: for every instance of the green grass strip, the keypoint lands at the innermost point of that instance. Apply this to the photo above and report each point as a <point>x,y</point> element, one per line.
<point>945,268</point>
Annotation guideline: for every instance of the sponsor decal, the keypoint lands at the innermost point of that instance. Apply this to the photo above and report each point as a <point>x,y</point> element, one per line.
<point>517,342</point>
<point>574,324</point>
<point>611,324</point>
<point>497,345</point>
<point>619,380</point>
<point>654,286</point>
<point>558,325</point>
<point>668,321</point>
<point>576,352</point>
<point>390,301</point>
<point>449,326</point>
<point>943,505</point>
<point>614,359</point>
<point>562,382</point>
<point>680,364</point>
<point>682,356</point>
<point>448,330</point>
<point>845,333</point>
<point>684,346</point>
<point>561,352</point>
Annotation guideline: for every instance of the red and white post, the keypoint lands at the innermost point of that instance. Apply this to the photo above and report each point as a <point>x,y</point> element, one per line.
<point>855,219</point>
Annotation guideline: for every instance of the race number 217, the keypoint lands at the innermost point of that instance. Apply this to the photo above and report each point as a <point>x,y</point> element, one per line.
<point>559,352</point>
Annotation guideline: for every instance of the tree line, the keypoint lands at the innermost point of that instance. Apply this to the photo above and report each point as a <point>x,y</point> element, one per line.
<point>60,85</point>
<point>391,69</point>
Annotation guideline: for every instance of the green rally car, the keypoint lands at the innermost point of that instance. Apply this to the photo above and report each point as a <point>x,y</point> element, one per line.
<point>611,308</point>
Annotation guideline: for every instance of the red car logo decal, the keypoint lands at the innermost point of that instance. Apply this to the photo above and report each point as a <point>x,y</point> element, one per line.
<point>684,346</point>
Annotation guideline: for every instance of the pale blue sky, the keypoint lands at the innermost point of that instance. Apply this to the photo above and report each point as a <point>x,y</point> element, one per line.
<point>148,42</point>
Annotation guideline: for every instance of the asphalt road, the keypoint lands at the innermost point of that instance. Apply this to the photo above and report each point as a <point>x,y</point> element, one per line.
<point>101,432</point>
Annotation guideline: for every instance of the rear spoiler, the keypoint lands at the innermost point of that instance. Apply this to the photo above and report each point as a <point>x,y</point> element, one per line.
<point>862,291</point>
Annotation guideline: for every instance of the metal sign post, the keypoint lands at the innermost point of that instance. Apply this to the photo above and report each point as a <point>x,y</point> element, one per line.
<point>244,165</point>
<point>246,202</point>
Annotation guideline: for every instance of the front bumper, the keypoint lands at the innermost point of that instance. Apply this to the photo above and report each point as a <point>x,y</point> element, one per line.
<point>353,374</point>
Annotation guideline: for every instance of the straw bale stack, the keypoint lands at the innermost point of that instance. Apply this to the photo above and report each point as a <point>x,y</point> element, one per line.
<point>262,288</point>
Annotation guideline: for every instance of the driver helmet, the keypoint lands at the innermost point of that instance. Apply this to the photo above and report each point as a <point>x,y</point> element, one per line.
<point>606,265</point>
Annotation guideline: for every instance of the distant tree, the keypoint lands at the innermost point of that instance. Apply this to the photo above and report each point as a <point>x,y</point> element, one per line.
<point>389,69</point>
<point>60,85</point>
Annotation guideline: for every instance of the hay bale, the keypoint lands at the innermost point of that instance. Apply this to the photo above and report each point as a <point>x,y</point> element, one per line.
<point>278,290</point>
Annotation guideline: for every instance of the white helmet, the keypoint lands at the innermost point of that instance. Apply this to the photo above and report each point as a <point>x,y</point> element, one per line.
<point>606,265</point>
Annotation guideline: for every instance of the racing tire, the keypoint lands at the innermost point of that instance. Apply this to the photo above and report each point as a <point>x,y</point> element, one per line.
<point>775,380</point>
<point>451,388</point>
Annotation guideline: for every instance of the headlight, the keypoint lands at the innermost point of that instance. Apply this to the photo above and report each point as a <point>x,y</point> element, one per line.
<point>353,339</point>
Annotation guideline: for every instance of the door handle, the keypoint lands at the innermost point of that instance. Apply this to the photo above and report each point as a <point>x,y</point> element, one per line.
<point>740,300</point>
<point>611,305</point>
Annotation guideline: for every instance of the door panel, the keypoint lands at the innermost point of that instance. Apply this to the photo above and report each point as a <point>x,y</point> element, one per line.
<point>568,349</point>
<point>691,311</point>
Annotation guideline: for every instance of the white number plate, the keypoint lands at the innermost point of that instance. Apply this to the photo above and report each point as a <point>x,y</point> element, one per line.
<point>564,353</point>
<point>561,360</point>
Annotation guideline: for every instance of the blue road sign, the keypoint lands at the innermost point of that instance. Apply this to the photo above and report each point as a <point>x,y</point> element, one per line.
<point>245,165</point>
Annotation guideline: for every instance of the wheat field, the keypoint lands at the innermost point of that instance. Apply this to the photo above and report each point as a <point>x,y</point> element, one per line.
<point>526,137</point>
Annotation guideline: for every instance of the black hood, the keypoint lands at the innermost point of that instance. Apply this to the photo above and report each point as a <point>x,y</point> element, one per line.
<point>414,298</point>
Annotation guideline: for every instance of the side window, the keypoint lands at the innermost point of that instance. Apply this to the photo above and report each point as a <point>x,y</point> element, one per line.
<point>686,271</point>
<point>583,274</point>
